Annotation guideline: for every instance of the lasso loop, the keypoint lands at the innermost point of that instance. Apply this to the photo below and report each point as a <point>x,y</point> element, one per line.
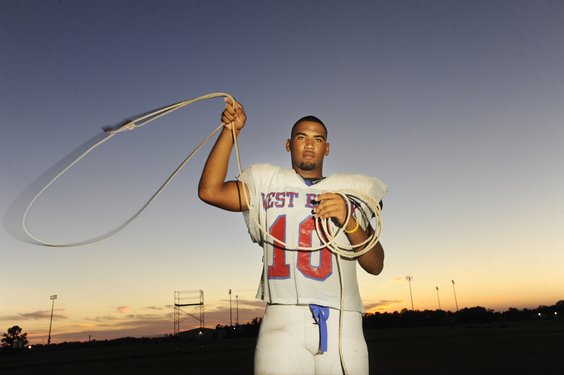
<point>131,125</point>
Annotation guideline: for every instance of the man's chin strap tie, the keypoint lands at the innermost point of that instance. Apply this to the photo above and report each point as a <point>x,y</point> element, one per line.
<point>320,315</point>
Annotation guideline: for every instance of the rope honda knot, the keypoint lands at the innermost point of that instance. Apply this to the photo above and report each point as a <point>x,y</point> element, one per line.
<point>125,127</point>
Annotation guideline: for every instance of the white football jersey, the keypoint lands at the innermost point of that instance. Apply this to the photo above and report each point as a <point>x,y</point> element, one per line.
<point>282,204</point>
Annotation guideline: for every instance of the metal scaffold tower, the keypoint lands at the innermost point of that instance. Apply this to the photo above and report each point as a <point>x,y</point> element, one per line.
<point>188,303</point>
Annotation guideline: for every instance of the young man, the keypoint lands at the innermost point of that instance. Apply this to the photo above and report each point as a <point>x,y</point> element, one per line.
<point>300,330</point>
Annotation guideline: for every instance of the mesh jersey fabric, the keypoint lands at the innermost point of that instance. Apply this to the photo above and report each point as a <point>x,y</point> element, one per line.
<point>282,205</point>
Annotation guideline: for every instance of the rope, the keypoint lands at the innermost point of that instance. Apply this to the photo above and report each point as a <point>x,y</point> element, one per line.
<point>341,313</point>
<point>131,125</point>
<point>323,227</point>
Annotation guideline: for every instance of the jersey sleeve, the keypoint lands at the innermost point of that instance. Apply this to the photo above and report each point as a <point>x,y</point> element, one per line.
<point>375,189</point>
<point>378,189</point>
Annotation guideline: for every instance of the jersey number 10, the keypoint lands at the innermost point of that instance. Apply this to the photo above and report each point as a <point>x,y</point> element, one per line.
<point>281,270</point>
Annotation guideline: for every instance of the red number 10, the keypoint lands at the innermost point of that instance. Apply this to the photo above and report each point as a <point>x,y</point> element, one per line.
<point>280,269</point>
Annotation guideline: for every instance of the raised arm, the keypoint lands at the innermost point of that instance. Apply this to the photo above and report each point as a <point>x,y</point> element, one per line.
<point>213,189</point>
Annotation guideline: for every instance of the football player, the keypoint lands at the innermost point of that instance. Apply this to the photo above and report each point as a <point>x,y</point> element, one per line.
<point>305,291</point>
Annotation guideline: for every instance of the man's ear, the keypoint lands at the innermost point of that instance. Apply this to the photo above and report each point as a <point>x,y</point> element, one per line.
<point>327,149</point>
<point>288,145</point>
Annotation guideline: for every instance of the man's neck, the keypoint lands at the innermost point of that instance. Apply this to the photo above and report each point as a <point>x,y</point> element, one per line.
<point>309,174</point>
<point>312,181</point>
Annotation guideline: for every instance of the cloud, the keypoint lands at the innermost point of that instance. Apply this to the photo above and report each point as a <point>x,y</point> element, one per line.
<point>243,302</point>
<point>118,319</point>
<point>147,317</point>
<point>154,308</point>
<point>381,305</point>
<point>255,304</point>
<point>157,326</point>
<point>159,308</point>
<point>159,321</point>
<point>247,310</point>
<point>103,318</point>
<point>399,280</point>
<point>36,315</point>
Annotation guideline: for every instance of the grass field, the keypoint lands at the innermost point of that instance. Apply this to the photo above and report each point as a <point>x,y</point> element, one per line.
<point>509,348</point>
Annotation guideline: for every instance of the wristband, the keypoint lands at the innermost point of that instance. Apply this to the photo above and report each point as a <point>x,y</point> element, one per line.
<point>352,230</point>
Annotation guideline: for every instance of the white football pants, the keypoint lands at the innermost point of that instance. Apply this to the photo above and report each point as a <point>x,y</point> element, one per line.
<point>288,343</point>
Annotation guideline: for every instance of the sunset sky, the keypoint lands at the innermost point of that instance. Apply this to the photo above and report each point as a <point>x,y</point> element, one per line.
<point>458,106</point>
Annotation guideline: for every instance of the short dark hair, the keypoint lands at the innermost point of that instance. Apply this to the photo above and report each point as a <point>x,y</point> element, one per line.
<point>309,118</point>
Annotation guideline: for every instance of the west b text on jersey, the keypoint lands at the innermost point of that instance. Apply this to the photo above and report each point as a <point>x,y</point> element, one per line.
<point>286,199</point>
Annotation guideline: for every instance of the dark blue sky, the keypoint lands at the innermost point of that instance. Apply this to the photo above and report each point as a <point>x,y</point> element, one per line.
<point>456,105</point>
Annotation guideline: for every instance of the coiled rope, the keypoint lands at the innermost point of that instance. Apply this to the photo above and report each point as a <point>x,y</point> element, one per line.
<point>323,226</point>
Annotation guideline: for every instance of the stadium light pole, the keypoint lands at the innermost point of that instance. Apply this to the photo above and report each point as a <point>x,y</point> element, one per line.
<point>53,298</point>
<point>230,311</point>
<point>237,300</point>
<point>438,298</point>
<point>409,278</point>
<point>454,290</point>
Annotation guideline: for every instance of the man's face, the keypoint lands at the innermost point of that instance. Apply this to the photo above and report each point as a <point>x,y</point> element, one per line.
<point>308,146</point>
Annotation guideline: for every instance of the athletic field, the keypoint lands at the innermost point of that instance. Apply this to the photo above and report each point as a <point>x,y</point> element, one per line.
<point>535,347</point>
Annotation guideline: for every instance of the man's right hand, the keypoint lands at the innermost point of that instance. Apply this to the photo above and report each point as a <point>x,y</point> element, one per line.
<point>233,115</point>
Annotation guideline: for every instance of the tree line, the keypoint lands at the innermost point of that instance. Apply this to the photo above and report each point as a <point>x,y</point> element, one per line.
<point>427,318</point>
<point>470,315</point>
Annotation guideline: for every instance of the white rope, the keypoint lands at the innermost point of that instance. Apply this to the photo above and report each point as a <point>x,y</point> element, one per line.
<point>131,125</point>
<point>323,227</point>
